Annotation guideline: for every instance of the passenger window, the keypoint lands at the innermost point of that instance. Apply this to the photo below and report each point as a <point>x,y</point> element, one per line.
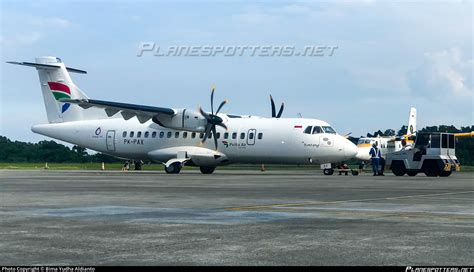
<point>193,135</point>
<point>242,136</point>
<point>176,134</point>
<point>308,130</point>
<point>260,136</point>
<point>153,134</point>
<point>218,135</point>
<point>185,135</point>
<point>234,135</point>
<point>251,135</point>
<point>226,135</point>
<point>168,134</point>
<point>139,134</point>
<point>201,135</point>
<point>317,129</point>
<point>124,134</point>
<point>146,134</point>
<point>162,134</point>
<point>131,134</point>
<point>210,135</point>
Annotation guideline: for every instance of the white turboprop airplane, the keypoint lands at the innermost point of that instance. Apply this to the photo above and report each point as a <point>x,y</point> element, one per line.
<point>176,137</point>
<point>387,144</point>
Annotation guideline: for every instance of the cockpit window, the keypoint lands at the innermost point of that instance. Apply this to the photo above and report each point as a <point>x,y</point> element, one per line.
<point>317,129</point>
<point>361,141</point>
<point>308,130</point>
<point>328,129</point>
<point>367,141</point>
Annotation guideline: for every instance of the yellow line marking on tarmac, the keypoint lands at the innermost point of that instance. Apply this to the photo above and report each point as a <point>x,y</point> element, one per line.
<point>256,207</point>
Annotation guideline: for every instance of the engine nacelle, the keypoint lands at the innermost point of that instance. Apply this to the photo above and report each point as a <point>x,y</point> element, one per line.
<point>184,119</point>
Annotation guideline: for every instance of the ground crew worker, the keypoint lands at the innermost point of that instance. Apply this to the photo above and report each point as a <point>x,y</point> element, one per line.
<point>375,158</point>
<point>382,165</point>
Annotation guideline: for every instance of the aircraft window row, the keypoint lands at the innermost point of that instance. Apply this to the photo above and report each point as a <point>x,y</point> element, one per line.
<point>364,141</point>
<point>193,135</point>
<point>318,129</point>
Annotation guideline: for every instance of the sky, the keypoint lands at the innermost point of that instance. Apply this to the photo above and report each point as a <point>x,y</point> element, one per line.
<point>390,56</point>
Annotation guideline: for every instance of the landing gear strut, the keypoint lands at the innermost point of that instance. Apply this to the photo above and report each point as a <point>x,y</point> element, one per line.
<point>138,165</point>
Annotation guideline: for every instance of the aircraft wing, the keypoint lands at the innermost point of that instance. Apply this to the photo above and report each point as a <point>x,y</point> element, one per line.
<point>464,134</point>
<point>142,112</point>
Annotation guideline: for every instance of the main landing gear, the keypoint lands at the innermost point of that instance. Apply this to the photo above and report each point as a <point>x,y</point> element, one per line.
<point>176,167</point>
<point>173,168</point>
<point>207,169</point>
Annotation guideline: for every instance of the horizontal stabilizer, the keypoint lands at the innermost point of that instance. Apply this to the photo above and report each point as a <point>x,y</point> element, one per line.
<point>47,66</point>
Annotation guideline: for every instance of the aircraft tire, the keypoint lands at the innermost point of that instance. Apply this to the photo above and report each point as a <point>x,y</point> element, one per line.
<point>328,172</point>
<point>207,169</point>
<point>412,173</point>
<point>174,168</point>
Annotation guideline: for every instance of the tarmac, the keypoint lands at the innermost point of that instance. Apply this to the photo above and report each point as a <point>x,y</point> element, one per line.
<point>234,218</point>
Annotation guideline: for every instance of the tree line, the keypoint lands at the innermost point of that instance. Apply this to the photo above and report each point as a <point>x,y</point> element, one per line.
<point>51,151</point>
<point>47,151</point>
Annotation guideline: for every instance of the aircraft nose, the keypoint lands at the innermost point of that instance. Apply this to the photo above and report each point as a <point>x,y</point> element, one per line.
<point>362,154</point>
<point>350,149</point>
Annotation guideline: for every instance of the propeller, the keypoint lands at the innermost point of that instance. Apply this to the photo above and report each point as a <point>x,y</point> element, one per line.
<point>212,119</point>
<point>280,112</point>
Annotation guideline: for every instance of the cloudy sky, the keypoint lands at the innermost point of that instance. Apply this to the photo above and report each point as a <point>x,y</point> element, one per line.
<point>390,56</point>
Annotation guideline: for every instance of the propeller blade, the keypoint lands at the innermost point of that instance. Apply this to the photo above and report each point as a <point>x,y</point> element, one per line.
<point>215,136</point>
<point>221,105</point>
<point>204,114</point>
<point>281,110</point>
<point>206,134</point>
<point>222,125</point>
<point>273,106</point>
<point>212,100</point>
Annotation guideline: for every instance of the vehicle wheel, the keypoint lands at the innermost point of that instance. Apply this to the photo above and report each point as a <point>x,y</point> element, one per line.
<point>207,169</point>
<point>431,170</point>
<point>398,168</point>
<point>328,172</point>
<point>173,168</point>
<point>412,173</point>
<point>445,173</point>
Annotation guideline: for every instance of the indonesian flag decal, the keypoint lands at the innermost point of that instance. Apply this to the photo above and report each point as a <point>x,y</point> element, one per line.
<point>60,91</point>
<point>298,126</point>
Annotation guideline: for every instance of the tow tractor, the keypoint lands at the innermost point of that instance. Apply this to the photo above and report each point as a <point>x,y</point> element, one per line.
<point>433,154</point>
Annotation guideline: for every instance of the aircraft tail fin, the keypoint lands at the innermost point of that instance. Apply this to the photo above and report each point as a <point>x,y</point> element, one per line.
<point>411,129</point>
<point>56,84</point>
